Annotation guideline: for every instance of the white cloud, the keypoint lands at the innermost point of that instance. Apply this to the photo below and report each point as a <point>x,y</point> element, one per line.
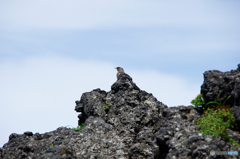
<point>38,94</point>
<point>80,14</point>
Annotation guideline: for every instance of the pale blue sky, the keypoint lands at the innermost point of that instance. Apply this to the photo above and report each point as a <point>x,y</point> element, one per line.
<point>53,51</point>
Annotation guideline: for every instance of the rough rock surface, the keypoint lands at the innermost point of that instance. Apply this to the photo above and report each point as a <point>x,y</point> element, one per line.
<point>219,85</point>
<point>222,84</point>
<point>135,126</point>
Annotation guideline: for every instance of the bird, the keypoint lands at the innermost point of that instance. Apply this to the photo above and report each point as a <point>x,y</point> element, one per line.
<point>120,71</point>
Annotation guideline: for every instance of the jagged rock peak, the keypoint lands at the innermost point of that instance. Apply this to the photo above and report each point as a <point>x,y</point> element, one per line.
<point>124,94</point>
<point>124,123</point>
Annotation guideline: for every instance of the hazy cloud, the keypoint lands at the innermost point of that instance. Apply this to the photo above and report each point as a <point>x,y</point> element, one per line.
<point>75,14</point>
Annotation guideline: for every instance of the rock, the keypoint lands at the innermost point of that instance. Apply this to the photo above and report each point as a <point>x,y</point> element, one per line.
<point>179,138</point>
<point>13,136</point>
<point>39,145</point>
<point>28,133</point>
<point>221,84</point>
<point>124,123</point>
<point>57,152</point>
<point>236,93</point>
<point>123,83</point>
<point>91,104</point>
<point>236,112</point>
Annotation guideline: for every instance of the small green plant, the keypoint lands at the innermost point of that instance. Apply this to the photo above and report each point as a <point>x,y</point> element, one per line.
<point>219,101</point>
<point>198,101</point>
<point>151,128</point>
<point>78,128</point>
<point>51,145</point>
<point>107,106</point>
<point>216,121</point>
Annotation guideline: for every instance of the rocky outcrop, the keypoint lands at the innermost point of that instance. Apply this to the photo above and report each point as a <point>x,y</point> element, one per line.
<point>219,84</point>
<point>124,123</point>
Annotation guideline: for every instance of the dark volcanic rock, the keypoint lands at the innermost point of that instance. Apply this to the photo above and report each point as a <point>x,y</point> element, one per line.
<point>91,104</point>
<point>39,145</point>
<point>221,84</point>
<point>179,138</point>
<point>236,112</point>
<point>134,125</point>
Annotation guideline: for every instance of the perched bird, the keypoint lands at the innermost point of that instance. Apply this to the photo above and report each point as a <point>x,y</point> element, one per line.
<point>120,70</point>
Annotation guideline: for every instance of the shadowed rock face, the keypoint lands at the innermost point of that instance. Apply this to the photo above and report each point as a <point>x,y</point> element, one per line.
<point>222,84</point>
<point>135,126</point>
<point>236,93</point>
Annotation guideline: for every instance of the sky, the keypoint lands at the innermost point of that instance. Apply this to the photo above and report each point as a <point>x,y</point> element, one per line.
<point>51,52</point>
